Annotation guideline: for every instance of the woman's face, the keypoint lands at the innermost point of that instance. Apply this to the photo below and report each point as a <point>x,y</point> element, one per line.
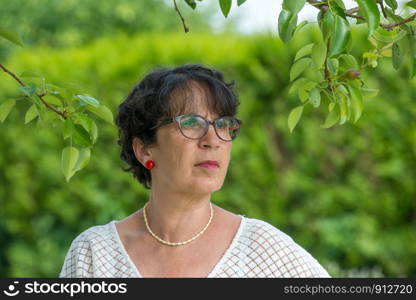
<point>176,158</point>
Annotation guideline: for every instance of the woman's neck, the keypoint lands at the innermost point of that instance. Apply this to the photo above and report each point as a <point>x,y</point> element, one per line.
<point>176,217</point>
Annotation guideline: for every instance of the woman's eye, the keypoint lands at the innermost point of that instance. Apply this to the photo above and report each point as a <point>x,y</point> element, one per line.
<point>222,124</point>
<point>191,122</point>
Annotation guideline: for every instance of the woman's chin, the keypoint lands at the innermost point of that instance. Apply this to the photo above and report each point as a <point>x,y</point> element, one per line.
<point>206,186</point>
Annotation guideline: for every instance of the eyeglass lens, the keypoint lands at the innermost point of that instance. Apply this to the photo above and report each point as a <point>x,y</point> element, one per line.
<point>194,127</point>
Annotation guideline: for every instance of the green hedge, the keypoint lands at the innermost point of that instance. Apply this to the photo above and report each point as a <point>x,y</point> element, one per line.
<point>346,194</point>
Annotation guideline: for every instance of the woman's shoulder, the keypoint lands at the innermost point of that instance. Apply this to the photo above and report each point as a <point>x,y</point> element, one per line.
<point>265,242</point>
<point>256,228</point>
<point>96,233</point>
<point>88,250</point>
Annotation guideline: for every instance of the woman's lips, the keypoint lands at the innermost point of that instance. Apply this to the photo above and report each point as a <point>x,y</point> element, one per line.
<point>207,165</point>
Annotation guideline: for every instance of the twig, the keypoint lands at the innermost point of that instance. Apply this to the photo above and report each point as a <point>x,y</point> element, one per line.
<point>351,13</point>
<point>391,26</point>
<point>40,96</point>
<point>327,75</point>
<point>11,74</point>
<point>318,4</point>
<point>180,16</point>
<point>387,26</point>
<point>354,16</point>
<point>380,2</point>
<point>353,10</point>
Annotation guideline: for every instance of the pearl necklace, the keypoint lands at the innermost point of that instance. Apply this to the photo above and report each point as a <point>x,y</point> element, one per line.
<point>178,243</point>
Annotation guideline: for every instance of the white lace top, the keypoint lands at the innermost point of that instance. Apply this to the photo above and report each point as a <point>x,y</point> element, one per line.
<point>258,249</point>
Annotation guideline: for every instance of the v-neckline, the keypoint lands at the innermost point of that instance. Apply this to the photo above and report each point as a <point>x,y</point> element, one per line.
<point>213,271</point>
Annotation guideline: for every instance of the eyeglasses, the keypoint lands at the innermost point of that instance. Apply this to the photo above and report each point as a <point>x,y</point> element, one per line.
<point>193,126</point>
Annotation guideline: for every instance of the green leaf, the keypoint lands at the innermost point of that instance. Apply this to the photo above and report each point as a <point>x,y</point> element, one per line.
<point>348,61</point>
<point>31,113</point>
<point>286,25</point>
<point>68,161</point>
<point>315,75</point>
<point>319,54</point>
<point>356,102</point>
<point>68,128</point>
<point>327,97</point>
<point>83,159</point>
<point>294,117</point>
<point>310,85</point>
<point>357,83</point>
<point>331,119</point>
<point>81,136</point>
<point>331,106</point>
<point>5,108</point>
<point>89,125</point>
<point>303,90</point>
<point>240,2</point>
<point>333,65</point>
<point>52,99</point>
<point>371,14</point>
<point>303,95</point>
<point>369,93</point>
<point>340,3</point>
<point>323,84</point>
<point>342,107</point>
<point>11,36</point>
<point>337,7</point>
<point>29,90</point>
<point>298,67</point>
<point>88,100</point>
<point>300,26</point>
<point>326,23</point>
<point>340,36</point>
<point>342,89</point>
<point>393,3</point>
<point>305,50</point>
<point>30,74</point>
<point>396,57</point>
<point>93,132</point>
<point>315,97</point>
<point>294,6</point>
<point>296,85</point>
<point>407,47</point>
<point>385,36</point>
<point>191,3</point>
<point>225,7</point>
<point>411,4</point>
<point>103,112</point>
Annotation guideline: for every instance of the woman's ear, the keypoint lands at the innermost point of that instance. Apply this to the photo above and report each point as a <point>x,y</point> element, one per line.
<point>141,152</point>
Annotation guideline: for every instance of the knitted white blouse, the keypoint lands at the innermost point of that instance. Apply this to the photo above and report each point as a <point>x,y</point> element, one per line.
<point>258,249</point>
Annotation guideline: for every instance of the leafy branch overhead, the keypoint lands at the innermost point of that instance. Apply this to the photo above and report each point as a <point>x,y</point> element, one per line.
<point>64,106</point>
<point>325,72</point>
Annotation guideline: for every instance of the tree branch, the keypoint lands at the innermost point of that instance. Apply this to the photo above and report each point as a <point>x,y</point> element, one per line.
<point>351,13</point>
<point>354,16</point>
<point>11,74</point>
<point>353,10</point>
<point>180,16</point>
<point>40,96</point>
<point>391,26</point>
<point>318,4</point>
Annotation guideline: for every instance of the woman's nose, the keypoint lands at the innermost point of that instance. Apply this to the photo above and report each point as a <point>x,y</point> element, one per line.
<point>210,139</point>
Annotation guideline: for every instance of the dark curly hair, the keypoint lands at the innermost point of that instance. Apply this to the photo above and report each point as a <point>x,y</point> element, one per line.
<point>165,93</point>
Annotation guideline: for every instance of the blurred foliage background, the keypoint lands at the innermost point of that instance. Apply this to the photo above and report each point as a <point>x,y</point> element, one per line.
<point>346,194</point>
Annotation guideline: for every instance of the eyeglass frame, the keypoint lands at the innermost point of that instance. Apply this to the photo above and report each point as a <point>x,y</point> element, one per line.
<point>178,118</point>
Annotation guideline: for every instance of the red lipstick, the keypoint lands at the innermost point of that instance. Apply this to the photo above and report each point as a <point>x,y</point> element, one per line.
<point>209,164</point>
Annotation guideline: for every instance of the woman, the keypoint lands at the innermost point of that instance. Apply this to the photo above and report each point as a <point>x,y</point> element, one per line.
<point>170,147</point>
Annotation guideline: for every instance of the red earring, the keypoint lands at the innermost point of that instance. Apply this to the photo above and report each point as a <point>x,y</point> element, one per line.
<point>150,164</point>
